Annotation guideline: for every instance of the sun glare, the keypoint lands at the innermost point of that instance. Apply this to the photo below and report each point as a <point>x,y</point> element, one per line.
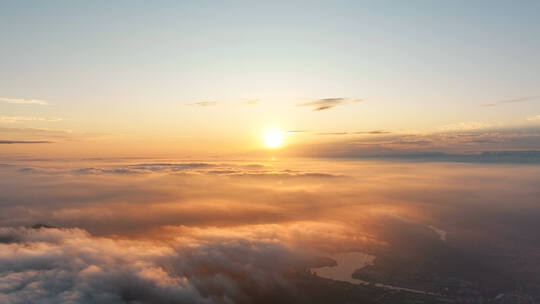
<point>273,138</point>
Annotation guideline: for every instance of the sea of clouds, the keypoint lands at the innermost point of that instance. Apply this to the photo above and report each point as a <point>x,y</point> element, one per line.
<point>161,231</point>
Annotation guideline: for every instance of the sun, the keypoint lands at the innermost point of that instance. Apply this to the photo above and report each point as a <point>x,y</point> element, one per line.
<point>273,138</point>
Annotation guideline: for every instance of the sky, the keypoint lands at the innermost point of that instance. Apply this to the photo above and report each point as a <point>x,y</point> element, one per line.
<point>195,77</point>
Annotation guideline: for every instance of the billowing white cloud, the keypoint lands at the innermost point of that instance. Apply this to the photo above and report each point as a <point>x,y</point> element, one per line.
<point>50,265</point>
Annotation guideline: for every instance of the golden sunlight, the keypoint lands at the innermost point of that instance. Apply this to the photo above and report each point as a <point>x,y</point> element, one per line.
<point>273,138</point>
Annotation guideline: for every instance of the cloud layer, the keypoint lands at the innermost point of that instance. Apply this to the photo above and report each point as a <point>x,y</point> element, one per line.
<point>166,231</point>
<point>463,140</point>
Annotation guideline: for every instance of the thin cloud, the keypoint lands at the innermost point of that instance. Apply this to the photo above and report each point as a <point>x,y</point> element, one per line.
<point>23,101</point>
<point>298,131</point>
<point>534,118</point>
<point>506,101</point>
<point>203,104</point>
<point>373,132</point>
<point>36,134</point>
<point>411,143</point>
<point>466,126</point>
<point>333,133</point>
<point>12,119</point>
<point>327,103</point>
<point>11,142</point>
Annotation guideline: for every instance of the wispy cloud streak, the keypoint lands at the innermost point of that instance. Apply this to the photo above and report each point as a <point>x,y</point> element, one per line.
<point>12,119</point>
<point>23,101</point>
<point>10,142</point>
<point>333,133</point>
<point>298,131</point>
<point>373,132</point>
<point>203,104</point>
<point>533,118</point>
<point>507,101</point>
<point>466,126</point>
<point>327,103</point>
